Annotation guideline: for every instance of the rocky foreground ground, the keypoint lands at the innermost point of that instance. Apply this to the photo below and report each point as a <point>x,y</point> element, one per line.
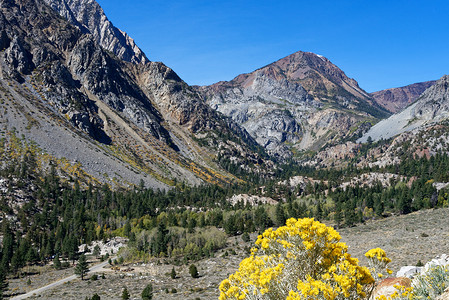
<point>407,239</point>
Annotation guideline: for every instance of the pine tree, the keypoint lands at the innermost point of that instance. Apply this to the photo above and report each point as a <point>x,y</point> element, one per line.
<point>245,237</point>
<point>350,215</point>
<point>3,283</point>
<point>31,255</point>
<point>337,215</point>
<point>319,211</point>
<point>147,293</point>
<point>82,268</point>
<point>160,243</point>
<point>173,273</point>
<point>378,206</point>
<point>57,262</point>
<point>96,251</point>
<point>125,294</point>
<point>193,271</point>
<point>95,297</point>
<point>280,215</point>
<point>229,225</point>
<point>8,245</point>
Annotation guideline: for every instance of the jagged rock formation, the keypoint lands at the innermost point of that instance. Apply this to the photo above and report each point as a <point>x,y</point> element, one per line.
<point>431,107</point>
<point>395,99</point>
<point>56,76</point>
<point>301,102</point>
<point>89,17</point>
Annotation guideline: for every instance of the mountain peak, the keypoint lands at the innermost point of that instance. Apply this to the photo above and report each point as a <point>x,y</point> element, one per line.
<point>89,17</point>
<point>318,75</point>
<point>302,100</point>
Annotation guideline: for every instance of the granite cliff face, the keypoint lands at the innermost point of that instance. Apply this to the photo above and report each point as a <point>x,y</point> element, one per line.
<point>300,102</point>
<point>61,77</point>
<point>89,17</point>
<point>396,99</point>
<point>431,107</point>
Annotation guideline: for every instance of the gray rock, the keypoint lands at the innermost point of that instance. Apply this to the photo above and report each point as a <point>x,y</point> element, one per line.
<point>409,271</point>
<point>18,57</point>
<point>89,17</point>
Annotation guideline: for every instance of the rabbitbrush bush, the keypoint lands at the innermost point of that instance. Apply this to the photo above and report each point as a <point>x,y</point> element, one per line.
<point>303,260</point>
<point>428,285</point>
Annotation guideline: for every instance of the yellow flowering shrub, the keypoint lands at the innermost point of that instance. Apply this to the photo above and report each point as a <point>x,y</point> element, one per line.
<point>302,260</point>
<point>378,261</point>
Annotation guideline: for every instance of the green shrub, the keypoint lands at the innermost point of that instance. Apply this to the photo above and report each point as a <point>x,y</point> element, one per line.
<point>95,297</point>
<point>147,293</point>
<point>245,237</point>
<point>193,271</point>
<point>125,294</point>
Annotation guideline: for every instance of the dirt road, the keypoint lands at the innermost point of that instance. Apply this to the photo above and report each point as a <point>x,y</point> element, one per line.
<point>35,292</point>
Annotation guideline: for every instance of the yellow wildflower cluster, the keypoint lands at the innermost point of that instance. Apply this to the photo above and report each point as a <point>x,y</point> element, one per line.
<point>378,262</point>
<point>302,260</point>
<point>402,292</point>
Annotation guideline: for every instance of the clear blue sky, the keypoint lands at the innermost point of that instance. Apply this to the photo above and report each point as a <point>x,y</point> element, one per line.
<point>381,44</point>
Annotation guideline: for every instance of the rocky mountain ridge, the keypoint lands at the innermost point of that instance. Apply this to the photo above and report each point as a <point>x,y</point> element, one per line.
<point>431,107</point>
<point>298,103</point>
<point>58,77</point>
<point>396,99</point>
<point>89,17</point>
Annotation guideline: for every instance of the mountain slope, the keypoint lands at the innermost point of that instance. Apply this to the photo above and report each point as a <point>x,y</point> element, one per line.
<point>75,99</point>
<point>431,107</point>
<point>395,99</point>
<point>300,102</point>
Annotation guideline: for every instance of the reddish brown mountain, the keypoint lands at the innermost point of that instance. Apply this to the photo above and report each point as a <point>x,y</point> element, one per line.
<point>395,99</point>
<point>298,103</point>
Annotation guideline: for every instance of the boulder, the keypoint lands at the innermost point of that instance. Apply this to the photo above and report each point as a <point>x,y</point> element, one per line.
<point>444,296</point>
<point>386,286</point>
<point>442,260</point>
<point>409,271</point>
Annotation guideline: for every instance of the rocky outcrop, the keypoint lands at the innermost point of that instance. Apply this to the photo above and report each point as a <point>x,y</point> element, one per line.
<point>431,107</point>
<point>395,99</point>
<point>106,78</point>
<point>89,17</point>
<point>300,102</point>
<point>252,200</point>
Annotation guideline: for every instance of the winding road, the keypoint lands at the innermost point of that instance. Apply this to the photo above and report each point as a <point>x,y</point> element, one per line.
<point>35,292</point>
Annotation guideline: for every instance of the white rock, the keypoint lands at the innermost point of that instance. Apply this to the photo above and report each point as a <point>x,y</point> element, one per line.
<point>408,271</point>
<point>443,260</point>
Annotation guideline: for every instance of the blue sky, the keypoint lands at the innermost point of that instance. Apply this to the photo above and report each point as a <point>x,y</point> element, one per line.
<point>381,44</point>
